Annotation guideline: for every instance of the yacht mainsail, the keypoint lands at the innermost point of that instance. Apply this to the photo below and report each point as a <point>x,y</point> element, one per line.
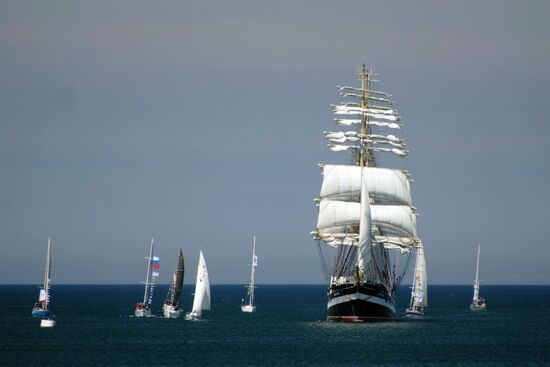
<point>171,307</point>
<point>201,301</point>
<point>419,292</point>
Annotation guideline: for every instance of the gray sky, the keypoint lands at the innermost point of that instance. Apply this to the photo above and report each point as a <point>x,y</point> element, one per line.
<point>200,124</point>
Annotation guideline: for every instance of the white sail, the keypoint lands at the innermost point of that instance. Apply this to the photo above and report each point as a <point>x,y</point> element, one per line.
<point>337,214</point>
<point>349,122</point>
<point>202,288</point>
<point>368,114</point>
<point>391,220</point>
<point>358,109</point>
<point>394,220</point>
<point>341,148</point>
<point>385,185</point>
<point>44,295</point>
<point>476,282</point>
<point>365,230</point>
<point>420,282</point>
<point>399,152</point>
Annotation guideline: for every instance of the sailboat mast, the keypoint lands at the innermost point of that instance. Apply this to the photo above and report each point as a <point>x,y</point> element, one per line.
<point>415,274</point>
<point>47,274</point>
<point>476,284</point>
<point>150,258</point>
<point>252,272</point>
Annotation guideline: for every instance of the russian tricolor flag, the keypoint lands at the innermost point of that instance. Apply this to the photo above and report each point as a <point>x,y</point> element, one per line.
<point>156,262</point>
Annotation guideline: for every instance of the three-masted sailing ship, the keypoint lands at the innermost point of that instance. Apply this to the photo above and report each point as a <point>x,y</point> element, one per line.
<point>366,215</point>
<point>419,292</point>
<point>249,305</point>
<point>143,309</point>
<point>201,302</point>
<point>171,307</point>
<point>478,303</point>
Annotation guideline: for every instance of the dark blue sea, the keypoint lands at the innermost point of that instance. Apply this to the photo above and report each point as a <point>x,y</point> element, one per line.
<point>94,328</point>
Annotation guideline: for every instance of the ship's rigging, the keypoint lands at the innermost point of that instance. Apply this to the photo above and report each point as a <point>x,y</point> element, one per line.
<point>379,252</point>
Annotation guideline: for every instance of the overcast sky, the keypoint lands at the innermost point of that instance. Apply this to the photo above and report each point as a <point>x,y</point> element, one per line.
<point>200,124</point>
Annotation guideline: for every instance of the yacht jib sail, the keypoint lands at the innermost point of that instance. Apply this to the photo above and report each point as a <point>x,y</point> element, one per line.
<point>143,309</point>
<point>41,308</point>
<point>366,215</point>
<point>201,302</point>
<point>419,292</point>
<point>171,307</point>
<point>249,305</point>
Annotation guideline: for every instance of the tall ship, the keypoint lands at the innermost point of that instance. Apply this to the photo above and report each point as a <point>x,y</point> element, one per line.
<point>171,307</point>
<point>249,305</point>
<point>143,309</point>
<point>419,292</point>
<point>478,303</point>
<point>366,226</point>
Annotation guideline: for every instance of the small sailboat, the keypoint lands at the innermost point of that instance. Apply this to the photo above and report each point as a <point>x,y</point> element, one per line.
<point>478,303</point>
<point>41,309</point>
<point>419,293</point>
<point>171,307</point>
<point>249,306</point>
<point>201,301</point>
<point>143,309</point>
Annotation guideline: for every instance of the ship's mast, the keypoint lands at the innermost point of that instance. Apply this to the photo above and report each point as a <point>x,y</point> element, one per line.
<point>476,284</point>
<point>47,275</point>
<point>147,283</point>
<point>366,157</point>
<point>252,272</point>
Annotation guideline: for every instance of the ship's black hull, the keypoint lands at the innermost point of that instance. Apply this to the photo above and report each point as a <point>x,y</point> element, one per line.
<point>360,302</point>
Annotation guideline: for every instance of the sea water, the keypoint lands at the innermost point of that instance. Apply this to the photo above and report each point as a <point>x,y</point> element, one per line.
<point>95,326</point>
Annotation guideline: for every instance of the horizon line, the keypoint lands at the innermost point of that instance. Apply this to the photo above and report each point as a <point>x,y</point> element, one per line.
<point>268,284</point>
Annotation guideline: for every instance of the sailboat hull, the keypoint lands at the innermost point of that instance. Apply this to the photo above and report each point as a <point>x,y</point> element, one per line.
<point>192,316</point>
<point>142,313</point>
<point>359,302</point>
<point>248,308</point>
<point>478,307</point>
<point>170,312</point>
<point>47,323</point>
<point>414,313</point>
